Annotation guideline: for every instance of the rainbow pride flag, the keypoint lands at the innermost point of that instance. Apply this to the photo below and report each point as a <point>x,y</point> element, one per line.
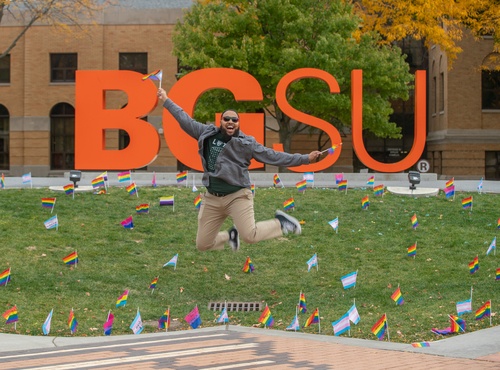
<point>398,297</point>
<point>342,185</point>
<point>69,189</point>
<point>313,319</point>
<point>371,181</point>
<point>301,186</point>
<point>483,311</point>
<point>182,176</point>
<point>266,318</point>
<point>132,189</point>
<point>474,265</point>
<point>380,327</point>
<point>248,266</point>
<point>412,251</point>
<point>142,208</point>
<point>289,204</point>
<point>5,277</point>
<point>2,181</point>
<point>72,323</point>
<point>124,176</point>
<point>414,221</point>
<point>302,303</point>
<point>467,202</point>
<point>48,202</point>
<point>71,259</point>
<point>276,179</point>
<point>153,283</point>
<point>10,315</point>
<point>164,321</point>
<point>197,201</point>
<point>156,75</point>
<point>98,182</point>
<point>497,274</point>
<point>365,202</point>
<point>420,344</point>
<point>450,182</point>
<point>378,190</point>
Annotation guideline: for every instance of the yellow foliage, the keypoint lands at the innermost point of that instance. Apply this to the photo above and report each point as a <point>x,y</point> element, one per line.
<point>438,22</point>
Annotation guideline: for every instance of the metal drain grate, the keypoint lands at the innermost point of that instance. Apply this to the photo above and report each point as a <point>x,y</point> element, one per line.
<point>234,306</point>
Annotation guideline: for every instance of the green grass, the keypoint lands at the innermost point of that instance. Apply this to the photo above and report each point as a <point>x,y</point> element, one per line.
<point>373,241</point>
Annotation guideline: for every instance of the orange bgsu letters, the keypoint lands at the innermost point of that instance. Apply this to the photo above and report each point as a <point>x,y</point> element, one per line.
<point>357,125</point>
<point>293,113</point>
<point>92,119</point>
<point>187,91</point>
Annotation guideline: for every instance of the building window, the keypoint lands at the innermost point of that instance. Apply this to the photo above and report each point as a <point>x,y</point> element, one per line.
<point>441,92</point>
<point>62,137</point>
<point>137,62</point>
<point>4,138</point>
<point>63,67</point>
<point>490,88</point>
<point>5,69</point>
<point>492,165</point>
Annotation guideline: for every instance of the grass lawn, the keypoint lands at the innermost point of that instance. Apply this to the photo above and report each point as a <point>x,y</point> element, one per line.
<point>372,242</point>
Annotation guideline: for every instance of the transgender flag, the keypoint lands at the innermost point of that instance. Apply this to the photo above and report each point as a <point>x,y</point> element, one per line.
<point>341,325</point>
<point>349,280</point>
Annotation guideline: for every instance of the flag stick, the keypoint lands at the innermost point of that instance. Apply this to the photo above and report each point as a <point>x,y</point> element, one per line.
<point>297,315</point>
<point>490,312</point>
<point>167,324</point>
<point>53,205</point>
<point>319,323</point>
<point>387,324</point>
<point>136,190</point>
<point>8,279</point>
<point>415,250</point>
<point>76,263</point>
<point>471,294</point>
<point>317,262</point>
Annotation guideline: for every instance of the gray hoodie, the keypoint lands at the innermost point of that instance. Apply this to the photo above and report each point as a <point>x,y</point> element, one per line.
<point>233,161</point>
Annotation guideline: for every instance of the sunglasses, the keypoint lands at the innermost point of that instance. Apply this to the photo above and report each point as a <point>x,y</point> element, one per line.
<point>227,119</point>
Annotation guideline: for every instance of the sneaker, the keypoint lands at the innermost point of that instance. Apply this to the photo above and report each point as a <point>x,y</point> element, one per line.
<point>288,223</point>
<point>234,239</point>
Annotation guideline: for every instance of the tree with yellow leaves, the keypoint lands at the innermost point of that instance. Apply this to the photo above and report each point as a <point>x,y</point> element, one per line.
<point>438,22</point>
<point>61,13</point>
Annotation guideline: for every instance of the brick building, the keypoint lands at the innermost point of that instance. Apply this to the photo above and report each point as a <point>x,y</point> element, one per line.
<point>37,96</point>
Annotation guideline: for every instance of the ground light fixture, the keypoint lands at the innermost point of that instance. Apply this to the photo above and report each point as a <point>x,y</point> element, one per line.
<point>414,179</point>
<point>75,176</point>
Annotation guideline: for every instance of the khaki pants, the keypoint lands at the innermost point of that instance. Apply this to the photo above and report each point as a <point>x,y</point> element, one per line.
<point>239,206</point>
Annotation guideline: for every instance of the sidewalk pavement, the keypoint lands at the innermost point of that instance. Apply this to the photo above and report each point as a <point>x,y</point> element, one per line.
<point>483,344</point>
